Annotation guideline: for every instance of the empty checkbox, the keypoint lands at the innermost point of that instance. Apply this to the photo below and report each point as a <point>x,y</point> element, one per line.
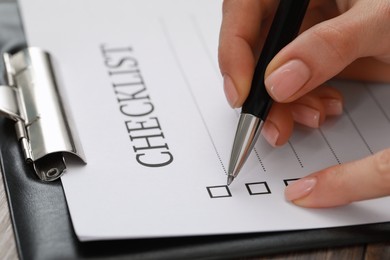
<point>221,191</point>
<point>258,188</point>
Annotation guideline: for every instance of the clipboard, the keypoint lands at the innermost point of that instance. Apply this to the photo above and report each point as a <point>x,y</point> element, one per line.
<point>43,229</point>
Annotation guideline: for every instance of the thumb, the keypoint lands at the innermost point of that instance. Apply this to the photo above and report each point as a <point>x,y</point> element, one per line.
<point>322,52</point>
<point>338,185</point>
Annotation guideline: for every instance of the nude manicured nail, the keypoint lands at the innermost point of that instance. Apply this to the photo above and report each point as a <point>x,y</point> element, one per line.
<point>300,188</point>
<point>333,106</point>
<point>270,133</point>
<point>287,79</point>
<point>306,115</point>
<point>230,91</point>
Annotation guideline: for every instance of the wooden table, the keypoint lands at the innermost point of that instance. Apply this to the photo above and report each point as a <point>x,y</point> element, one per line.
<point>369,252</point>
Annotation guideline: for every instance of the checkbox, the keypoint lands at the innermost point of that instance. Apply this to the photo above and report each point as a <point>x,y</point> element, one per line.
<point>258,188</point>
<point>221,191</point>
<point>289,181</point>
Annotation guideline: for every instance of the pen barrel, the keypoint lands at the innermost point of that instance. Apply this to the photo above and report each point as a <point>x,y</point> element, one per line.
<point>285,27</point>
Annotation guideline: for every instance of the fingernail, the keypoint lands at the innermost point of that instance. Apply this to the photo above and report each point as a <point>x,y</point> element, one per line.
<point>287,79</point>
<point>333,107</point>
<point>270,133</point>
<point>300,188</point>
<point>230,91</point>
<point>305,115</point>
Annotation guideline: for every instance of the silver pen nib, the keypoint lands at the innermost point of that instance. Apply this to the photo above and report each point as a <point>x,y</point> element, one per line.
<point>230,179</point>
<point>248,130</point>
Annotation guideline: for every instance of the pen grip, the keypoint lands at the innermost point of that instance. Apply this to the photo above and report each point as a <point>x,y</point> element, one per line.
<point>285,27</point>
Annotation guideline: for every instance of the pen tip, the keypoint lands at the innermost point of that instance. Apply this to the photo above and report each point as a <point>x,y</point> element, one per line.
<point>230,179</point>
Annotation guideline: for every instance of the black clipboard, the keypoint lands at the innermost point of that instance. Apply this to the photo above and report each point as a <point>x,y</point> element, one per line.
<point>43,229</point>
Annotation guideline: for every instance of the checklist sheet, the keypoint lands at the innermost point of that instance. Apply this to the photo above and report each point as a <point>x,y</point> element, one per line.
<point>142,83</point>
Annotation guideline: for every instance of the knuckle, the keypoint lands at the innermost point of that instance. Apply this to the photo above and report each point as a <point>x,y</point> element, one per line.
<point>337,42</point>
<point>337,173</point>
<point>333,176</point>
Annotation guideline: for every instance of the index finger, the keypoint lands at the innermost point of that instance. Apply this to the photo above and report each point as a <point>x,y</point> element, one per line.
<point>338,185</point>
<point>243,29</point>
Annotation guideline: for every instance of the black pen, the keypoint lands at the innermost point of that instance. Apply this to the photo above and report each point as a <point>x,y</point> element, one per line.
<point>285,27</point>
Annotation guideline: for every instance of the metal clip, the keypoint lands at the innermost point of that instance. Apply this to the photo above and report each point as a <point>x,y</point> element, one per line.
<point>33,101</point>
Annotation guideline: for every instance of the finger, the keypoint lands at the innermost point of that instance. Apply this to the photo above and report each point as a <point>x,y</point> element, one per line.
<point>324,50</point>
<point>364,179</point>
<point>331,99</point>
<point>278,127</point>
<point>241,32</point>
<point>309,110</point>
<point>312,109</point>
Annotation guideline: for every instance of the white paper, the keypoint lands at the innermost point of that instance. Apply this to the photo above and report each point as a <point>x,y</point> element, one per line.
<point>163,54</point>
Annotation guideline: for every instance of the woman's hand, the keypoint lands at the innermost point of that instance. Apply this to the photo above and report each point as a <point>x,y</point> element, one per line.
<point>343,38</point>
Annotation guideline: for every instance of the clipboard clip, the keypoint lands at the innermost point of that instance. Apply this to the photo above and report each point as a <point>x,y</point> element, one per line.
<point>32,100</point>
